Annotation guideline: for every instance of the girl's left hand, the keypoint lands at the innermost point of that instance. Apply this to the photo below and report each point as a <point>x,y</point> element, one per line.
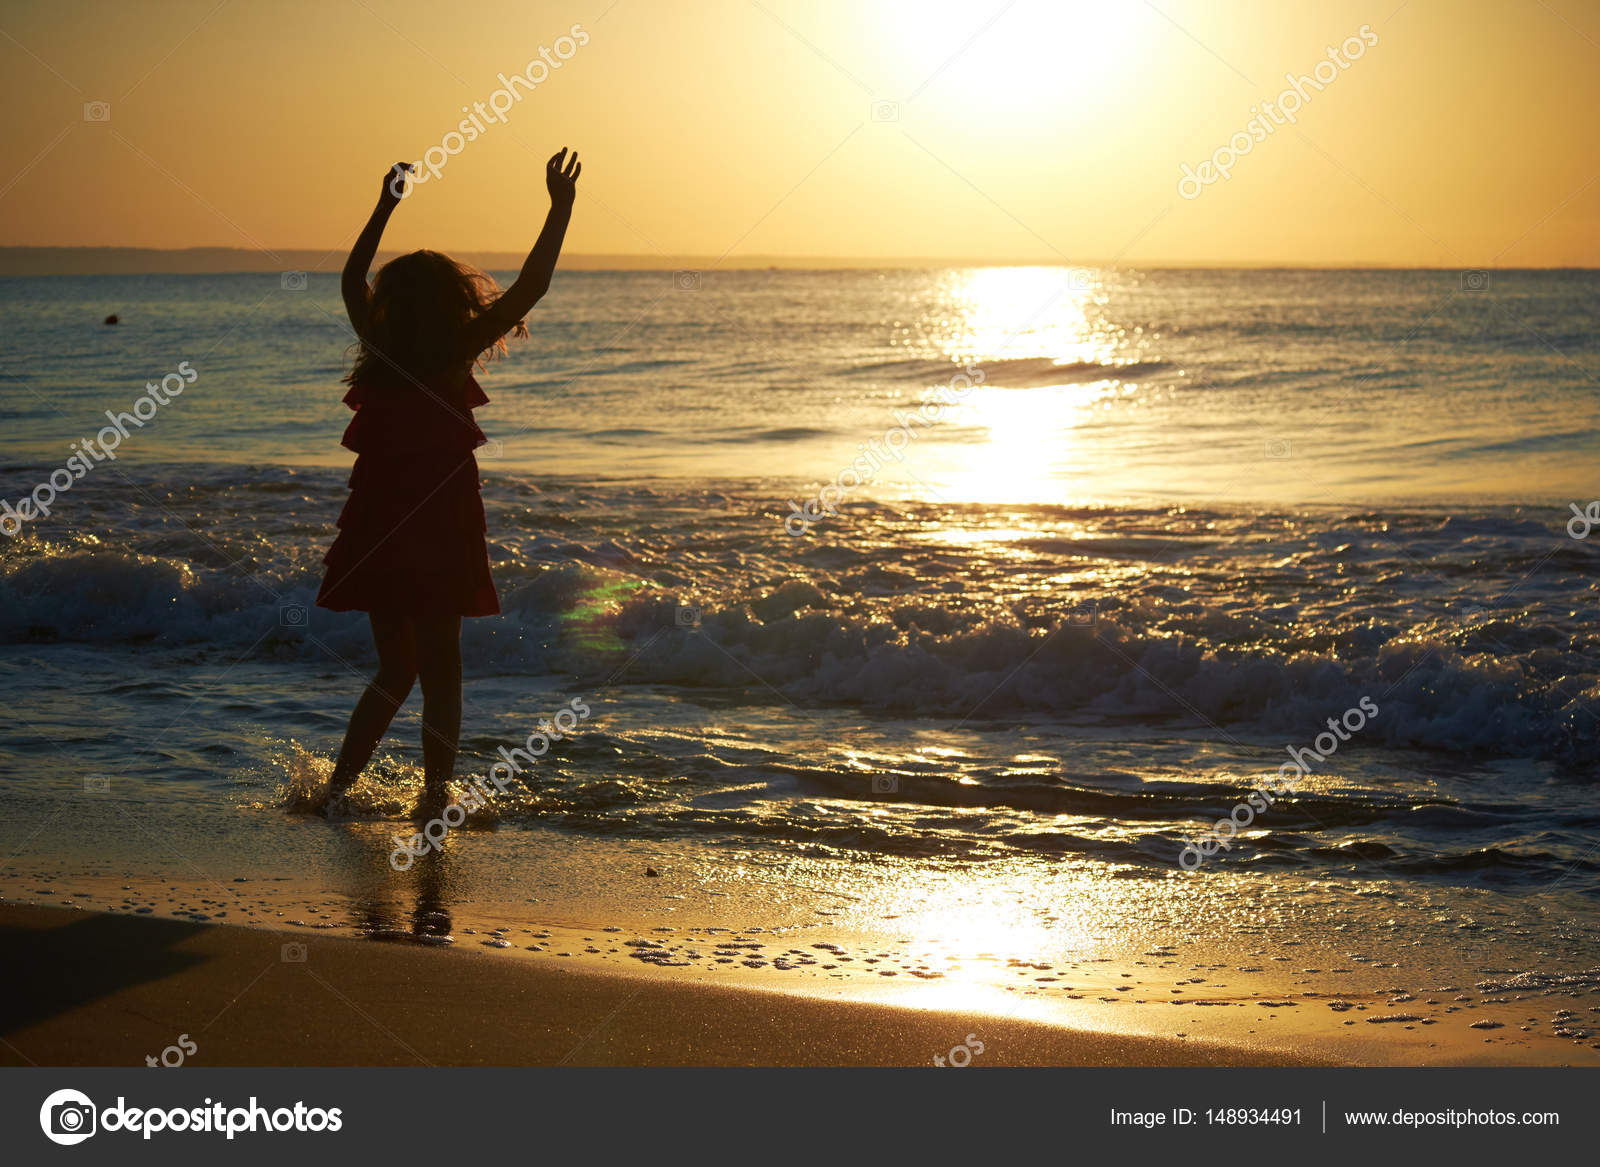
<point>562,181</point>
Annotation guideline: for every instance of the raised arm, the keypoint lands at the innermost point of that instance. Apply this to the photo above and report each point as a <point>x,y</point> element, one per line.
<point>561,178</point>
<point>353,284</point>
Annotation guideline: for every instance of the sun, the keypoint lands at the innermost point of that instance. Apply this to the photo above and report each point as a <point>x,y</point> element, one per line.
<point>1025,59</point>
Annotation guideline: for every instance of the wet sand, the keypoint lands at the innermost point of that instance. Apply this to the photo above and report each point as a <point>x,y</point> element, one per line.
<point>107,988</point>
<point>743,960</point>
<point>98,989</point>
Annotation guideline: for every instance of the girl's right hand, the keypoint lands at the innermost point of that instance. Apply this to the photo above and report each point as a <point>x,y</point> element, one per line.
<point>394,183</point>
<point>562,180</point>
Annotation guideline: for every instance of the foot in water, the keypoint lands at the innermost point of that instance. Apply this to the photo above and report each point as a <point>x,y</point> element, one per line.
<point>431,804</point>
<point>336,802</point>
<point>316,799</point>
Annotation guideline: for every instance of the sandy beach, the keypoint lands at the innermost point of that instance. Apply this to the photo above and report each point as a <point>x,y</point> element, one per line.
<point>104,988</point>
<point>350,1003</point>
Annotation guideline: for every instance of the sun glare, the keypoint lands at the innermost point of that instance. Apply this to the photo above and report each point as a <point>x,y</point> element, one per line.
<point>1015,313</point>
<point>1034,333</point>
<point>1026,60</point>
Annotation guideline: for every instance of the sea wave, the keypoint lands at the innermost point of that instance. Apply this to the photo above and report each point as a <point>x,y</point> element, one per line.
<point>1496,686</point>
<point>1477,632</point>
<point>1012,373</point>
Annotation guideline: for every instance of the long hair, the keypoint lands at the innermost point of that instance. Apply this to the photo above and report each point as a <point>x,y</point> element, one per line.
<point>417,326</point>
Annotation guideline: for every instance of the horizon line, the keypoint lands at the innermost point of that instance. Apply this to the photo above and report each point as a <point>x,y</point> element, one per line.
<point>97,259</point>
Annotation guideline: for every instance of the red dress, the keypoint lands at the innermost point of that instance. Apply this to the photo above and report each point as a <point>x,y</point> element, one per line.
<point>411,535</point>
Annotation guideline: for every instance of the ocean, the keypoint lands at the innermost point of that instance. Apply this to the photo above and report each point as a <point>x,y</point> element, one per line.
<point>1005,578</point>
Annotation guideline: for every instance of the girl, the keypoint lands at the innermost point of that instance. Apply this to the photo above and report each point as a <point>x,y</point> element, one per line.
<point>410,550</point>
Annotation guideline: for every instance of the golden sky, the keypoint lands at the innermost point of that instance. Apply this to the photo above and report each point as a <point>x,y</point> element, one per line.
<point>1044,130</point>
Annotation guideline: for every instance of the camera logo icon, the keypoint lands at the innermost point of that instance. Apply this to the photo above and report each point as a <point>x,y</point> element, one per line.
<point>96,784</point>
<point>885,784</point>
<point>493,448</point>
<point>686,281</point>
<point>292,615</point>
<point>67,1117</point>
<point>1476,280</point>
<point>688,617</point>
<point>97,111</point>
<point>1278,449</point>
<point>294,953</point>
<point>886,111</point>
<point>293,281</point>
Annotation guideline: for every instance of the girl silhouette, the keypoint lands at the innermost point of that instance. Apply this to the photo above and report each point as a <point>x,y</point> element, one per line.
<point>410,550</point>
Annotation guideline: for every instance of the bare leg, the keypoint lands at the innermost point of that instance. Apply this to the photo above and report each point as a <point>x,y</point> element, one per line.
<point>397,673</point>
<point>438,641</point>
